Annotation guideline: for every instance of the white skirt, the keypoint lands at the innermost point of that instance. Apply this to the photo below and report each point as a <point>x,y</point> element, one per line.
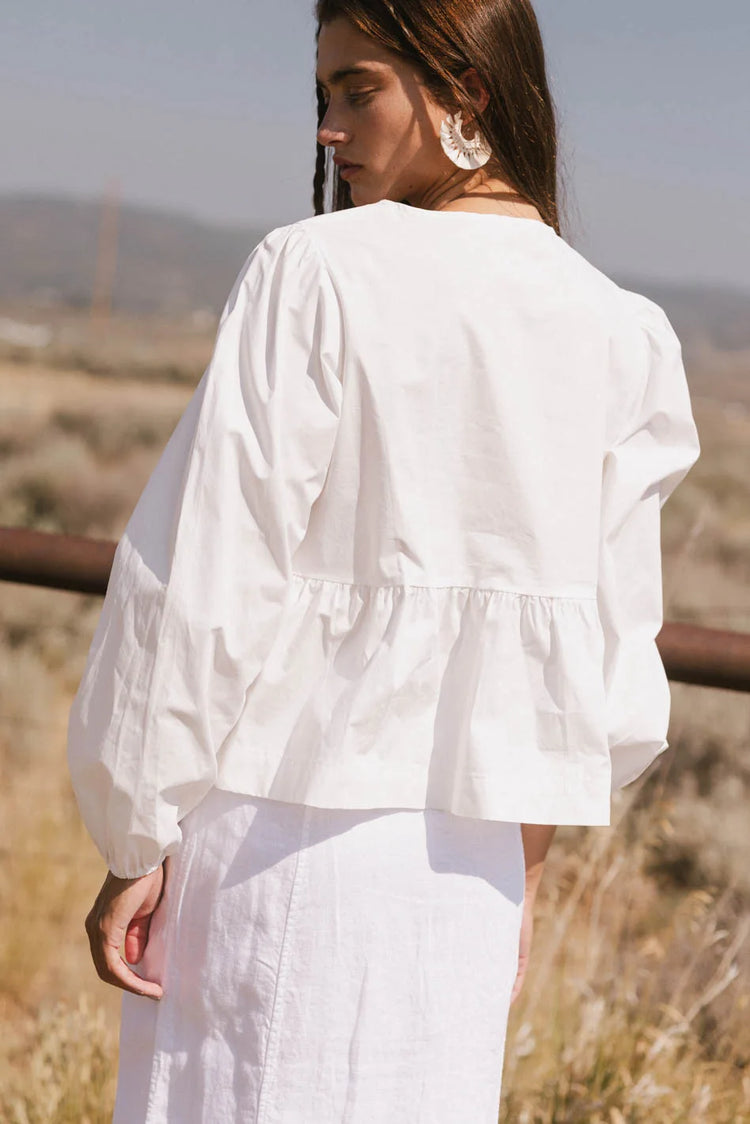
<point>326,966</point>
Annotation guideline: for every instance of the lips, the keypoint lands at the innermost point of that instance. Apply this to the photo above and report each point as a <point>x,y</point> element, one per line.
<point>341,163</point>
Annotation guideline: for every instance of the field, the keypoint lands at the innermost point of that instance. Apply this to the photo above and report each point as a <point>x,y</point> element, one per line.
<point>637,1006</point>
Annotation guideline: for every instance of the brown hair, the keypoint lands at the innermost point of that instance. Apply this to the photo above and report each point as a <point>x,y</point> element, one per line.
<point>442,38</point>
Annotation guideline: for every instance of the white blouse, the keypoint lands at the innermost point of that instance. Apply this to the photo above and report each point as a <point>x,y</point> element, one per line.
<point>403,547</point>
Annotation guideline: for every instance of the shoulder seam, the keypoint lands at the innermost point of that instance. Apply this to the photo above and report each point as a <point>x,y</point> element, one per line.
<point>313,241</point>
<point>632,321</point>
<point>320,253</point>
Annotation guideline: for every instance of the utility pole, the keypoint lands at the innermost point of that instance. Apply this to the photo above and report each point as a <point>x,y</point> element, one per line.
<point>106,253</point>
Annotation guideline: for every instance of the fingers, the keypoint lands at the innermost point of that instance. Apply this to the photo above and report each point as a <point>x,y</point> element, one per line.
<point>136,939</point>
<point>516,989</point>
<point>138,927</point>
<point>110,966</point>
<point>121,915</point>
<point>524,950</point>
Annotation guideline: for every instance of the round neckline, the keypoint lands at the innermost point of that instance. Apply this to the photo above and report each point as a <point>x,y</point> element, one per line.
<point>470,214</point>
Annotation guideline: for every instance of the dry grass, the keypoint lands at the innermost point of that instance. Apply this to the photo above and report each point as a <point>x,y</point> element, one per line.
<point>67,1073</point>
<point>637,1005</point>
<point>77,449</point>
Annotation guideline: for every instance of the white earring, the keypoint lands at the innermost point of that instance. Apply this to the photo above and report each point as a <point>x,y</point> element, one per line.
<point>464,153</point>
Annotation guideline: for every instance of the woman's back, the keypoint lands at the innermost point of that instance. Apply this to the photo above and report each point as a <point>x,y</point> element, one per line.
<point>445,644</point>
<point>475,361</point>
<point>402,549</point>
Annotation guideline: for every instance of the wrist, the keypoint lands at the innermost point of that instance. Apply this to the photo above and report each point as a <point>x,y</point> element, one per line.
<point>536,843</point>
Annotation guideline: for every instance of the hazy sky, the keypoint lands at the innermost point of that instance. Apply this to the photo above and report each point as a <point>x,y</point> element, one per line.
<point>210,109</point>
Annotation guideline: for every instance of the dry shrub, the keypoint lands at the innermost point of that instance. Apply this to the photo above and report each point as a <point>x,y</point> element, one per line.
<point>112,436</point>
<point>636,1007</point>
<point>54,626</point>
<point>28,693</point>
<point>61,487</point>
<point>20,430</point>
<point>65,1074</point>
<point>38,485</point>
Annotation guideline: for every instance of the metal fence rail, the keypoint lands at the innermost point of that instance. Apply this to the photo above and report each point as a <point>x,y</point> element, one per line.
<point>708,657</point>
<point>71,562</point>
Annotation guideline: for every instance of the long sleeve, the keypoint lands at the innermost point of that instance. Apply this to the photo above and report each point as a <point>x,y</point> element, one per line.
<point>201,572</point>
<point>653,443</point>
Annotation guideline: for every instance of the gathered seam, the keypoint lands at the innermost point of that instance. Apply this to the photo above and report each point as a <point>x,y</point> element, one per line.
<point>457,588</point>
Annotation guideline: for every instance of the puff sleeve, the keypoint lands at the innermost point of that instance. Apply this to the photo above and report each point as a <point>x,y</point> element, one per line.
<point>201,572</point>
<point>652,444</point>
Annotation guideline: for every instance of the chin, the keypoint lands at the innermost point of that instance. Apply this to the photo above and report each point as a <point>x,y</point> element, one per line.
<point>360,198</point>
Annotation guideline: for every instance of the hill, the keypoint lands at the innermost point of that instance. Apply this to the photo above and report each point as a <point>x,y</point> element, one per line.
<point>167,263</point>
<point>171,265</point>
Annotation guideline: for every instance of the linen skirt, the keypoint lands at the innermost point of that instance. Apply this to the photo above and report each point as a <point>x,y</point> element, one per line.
<point>326,966</point>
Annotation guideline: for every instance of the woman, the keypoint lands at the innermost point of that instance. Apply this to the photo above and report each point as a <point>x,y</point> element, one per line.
<point>385,613</point>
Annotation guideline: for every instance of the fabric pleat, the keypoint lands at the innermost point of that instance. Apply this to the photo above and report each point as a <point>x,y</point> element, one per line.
<point>326,965</point>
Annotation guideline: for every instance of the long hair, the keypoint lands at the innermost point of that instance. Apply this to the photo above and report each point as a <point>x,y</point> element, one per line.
<point>442,38</point>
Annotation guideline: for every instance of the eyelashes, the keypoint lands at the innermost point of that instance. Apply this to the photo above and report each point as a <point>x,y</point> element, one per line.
<point>360,97</point>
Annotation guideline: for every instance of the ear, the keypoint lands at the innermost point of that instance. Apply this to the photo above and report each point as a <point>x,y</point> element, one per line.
<point>475,88</point>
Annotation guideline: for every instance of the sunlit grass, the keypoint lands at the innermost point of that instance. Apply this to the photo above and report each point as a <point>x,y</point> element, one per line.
<point>638,1003</point>
<point>636,1009</point>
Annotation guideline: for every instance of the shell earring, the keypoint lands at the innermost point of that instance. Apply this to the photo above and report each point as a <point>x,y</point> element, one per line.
<point>464,153</point>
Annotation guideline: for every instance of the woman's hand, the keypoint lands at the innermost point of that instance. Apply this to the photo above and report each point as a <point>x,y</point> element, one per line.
<point>536,843</point>
<point>524,948</point>
<point>121,915</point>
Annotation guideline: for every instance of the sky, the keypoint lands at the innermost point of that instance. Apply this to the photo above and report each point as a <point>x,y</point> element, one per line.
<point>209,109</point>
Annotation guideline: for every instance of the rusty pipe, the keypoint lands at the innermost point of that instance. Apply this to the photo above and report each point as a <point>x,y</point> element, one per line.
<point>708,657</point>
<point>70,562</point>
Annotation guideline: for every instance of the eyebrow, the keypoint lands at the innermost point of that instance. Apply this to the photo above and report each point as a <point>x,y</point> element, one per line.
<point>344,72</point>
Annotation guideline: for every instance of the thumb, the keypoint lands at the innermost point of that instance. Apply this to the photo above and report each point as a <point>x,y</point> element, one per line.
<point>136,933</point>
<point>136,939</point>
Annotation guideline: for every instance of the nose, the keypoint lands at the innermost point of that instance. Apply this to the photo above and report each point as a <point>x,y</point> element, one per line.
<point>328,134</point>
